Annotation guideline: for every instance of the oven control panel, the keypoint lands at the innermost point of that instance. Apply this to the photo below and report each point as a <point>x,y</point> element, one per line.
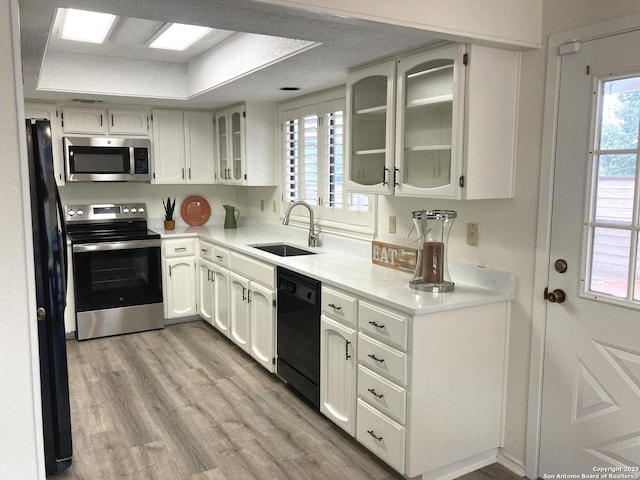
<point>105,212</point>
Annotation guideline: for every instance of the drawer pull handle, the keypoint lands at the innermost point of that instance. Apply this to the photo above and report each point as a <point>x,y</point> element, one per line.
<point>180,249</point>
<point>219,257</point>
<point>377,325</point>
<point>373,357</point>
<point>335,307</point>
<point>204,250</point>
<point>372,433</point>
<point>346,349</point>
<point>374,393</point>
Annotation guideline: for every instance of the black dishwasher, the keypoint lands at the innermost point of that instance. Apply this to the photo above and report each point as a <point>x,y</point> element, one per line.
<point>298,333</point>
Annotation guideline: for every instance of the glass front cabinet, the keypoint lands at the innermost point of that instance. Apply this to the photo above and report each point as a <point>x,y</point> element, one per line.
<point>245,150</point>
<point>449,130</point>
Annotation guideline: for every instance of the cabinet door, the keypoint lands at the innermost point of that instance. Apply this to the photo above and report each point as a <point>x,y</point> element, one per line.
<point>237,144</point>
<point>429,123</point>
<point>198,140</point>
<point>222,152</point>
<point>206,294</point>
<point>50,112</point>
<point>261,325</point>
<point>168,146</point>
<point>128,121</point>
<point>84,120</point>
<point>338,366</point>
<point>370,129</point>
<point>180,298</point>
<point>221,312</point>
<point>239,287</point>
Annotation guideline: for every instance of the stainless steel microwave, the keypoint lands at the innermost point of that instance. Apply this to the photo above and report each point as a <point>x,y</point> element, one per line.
<point>107,159</point>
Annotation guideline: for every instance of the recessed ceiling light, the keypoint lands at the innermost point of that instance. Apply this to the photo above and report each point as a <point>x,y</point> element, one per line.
<point>85,26</point>
<point>178,36</point>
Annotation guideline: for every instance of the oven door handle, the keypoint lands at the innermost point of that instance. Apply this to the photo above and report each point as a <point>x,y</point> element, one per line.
<point>126,245</point>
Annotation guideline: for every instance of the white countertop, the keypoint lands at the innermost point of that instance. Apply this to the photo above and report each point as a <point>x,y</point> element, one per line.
<point>346,264</point>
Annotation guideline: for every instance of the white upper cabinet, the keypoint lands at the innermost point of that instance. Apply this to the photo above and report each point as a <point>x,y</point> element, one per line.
<point>370,116</point>
<point>49,112</point>
<point>453,130</point>
<point>102,121</point>
<point>183,147</point>
<point>168,146</point>
<point>246,144</point>
<point>198,143</point>
<point>128,121</point>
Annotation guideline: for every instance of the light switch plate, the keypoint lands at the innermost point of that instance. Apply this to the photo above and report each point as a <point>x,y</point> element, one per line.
<point>262,205</point>
<point>392,224</point>
<point>472,234</point>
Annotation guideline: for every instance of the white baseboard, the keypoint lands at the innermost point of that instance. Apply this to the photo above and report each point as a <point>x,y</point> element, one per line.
<point>511,463</point>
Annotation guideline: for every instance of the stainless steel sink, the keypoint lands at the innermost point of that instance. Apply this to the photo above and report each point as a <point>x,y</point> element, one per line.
<point>283,249</point>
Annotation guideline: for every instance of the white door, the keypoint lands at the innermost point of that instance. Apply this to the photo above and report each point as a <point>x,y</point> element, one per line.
<point>221,313</point>
<point>338,363</point>
<point>128,122</point>
<point>591,386</point>
<point>239,325</point>
<point>261,325</point>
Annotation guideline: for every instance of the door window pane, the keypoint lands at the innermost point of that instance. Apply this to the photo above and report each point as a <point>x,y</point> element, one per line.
<point>620,114</point>
<point>615,188</point>
<point>610,261</point>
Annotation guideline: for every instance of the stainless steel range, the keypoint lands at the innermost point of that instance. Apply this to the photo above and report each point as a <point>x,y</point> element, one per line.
<point>116,269</point>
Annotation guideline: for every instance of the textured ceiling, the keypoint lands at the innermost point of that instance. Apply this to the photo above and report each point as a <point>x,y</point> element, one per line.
<point>344,43</point>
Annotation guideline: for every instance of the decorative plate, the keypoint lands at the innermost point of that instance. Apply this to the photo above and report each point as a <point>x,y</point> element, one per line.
<point>195,210</point>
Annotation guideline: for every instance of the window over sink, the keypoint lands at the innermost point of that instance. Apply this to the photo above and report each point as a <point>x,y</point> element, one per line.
<point>312,159</point>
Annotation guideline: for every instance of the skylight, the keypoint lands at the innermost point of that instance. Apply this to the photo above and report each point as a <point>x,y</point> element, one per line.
<point>85,26</point>
<point>179,36</point>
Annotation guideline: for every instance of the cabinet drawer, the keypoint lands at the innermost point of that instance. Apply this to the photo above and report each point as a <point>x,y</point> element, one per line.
<point>382,394</point>
<point>253,269</point>
<point>178,247</point>
<point>206,250</point>
<point>382,359</point>
<point>381,435</point>
<point>384,324</point>
<point>221,256</point>
<point>339,306</point>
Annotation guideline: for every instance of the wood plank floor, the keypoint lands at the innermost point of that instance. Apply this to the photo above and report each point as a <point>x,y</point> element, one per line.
<point>185,403</point>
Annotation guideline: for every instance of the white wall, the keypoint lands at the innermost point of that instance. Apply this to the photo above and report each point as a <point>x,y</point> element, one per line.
<point>18,437</point>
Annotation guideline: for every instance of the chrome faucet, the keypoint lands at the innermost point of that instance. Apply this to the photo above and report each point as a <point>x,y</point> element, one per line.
<point>313,237</point>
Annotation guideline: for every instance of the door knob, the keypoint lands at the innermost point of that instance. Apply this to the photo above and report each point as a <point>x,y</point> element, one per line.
<point>557,296</point>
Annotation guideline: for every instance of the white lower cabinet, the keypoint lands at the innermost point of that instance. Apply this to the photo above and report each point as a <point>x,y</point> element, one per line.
<point>381,435</point>
<point>206,290</point>
<point>253,311</point>
<point>180,300</point>
<point>338,362</point>
<point>179,279</point>
<point>239,329</point>
<point>222,312</point>
<point>262,315</point>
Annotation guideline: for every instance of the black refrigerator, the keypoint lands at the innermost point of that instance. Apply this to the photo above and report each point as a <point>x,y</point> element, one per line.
<point>49,250</point>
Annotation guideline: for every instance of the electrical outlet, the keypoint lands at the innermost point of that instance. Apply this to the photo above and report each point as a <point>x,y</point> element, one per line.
<point>262,205</point>
<point>392,224</point>
<point>472,234</point>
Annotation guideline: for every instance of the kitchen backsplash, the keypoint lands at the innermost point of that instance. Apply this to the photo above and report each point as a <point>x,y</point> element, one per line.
<point>152,195</point>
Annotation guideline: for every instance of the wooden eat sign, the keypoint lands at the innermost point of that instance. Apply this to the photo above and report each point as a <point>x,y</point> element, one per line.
<point>394,256</point>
